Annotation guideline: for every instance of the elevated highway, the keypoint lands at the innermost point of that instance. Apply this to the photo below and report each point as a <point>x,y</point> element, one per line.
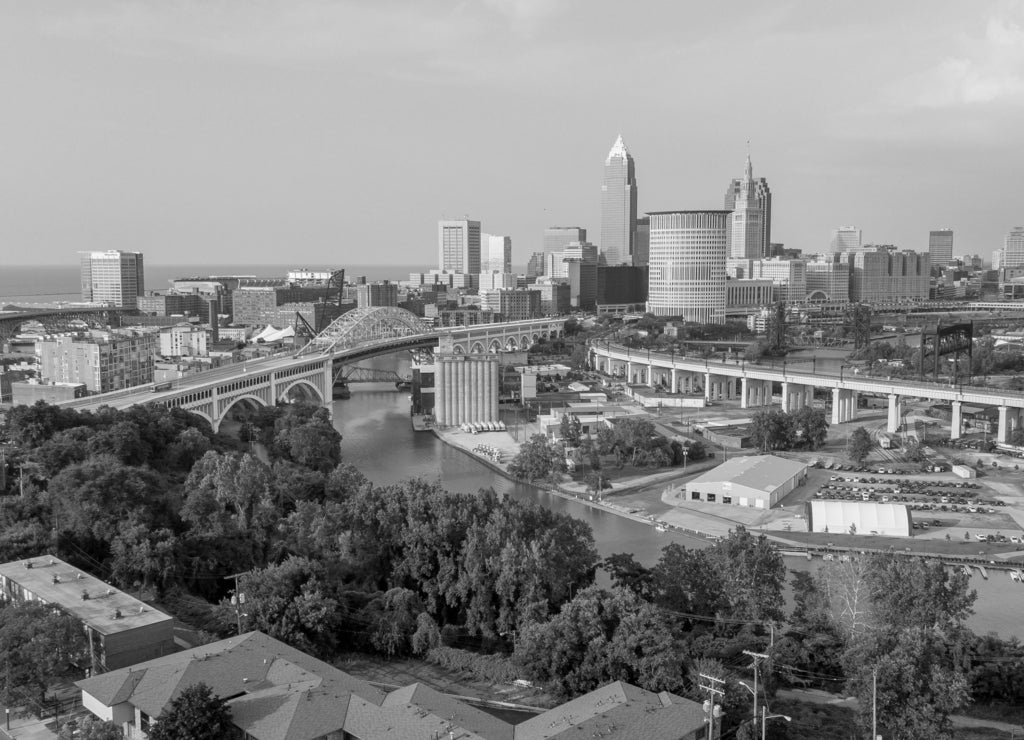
<point>753,384</point>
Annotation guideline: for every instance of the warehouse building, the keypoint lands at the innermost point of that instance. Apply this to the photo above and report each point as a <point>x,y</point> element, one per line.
<point>761,481</point>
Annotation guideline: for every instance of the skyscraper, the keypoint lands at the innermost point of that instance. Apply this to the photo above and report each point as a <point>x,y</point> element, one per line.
<point>746,224</point>
<point>687,265</point>
<point>458,246</point>
<point>495,253</point>
<point>1012,253</point>
<point>760,196</point>
<point>115,278</point>
<point>940,247</point>
<point>557,238</point>
<point>642,242</point>
<point>618,206</point>
<point>846,237</point>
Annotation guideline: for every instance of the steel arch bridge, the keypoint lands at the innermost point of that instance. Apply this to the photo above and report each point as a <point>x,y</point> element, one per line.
<point>364,326</point>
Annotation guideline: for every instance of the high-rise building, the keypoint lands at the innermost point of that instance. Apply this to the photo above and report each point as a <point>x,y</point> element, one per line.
<point>535,266</point>
<point>759,197</point>
<point>687,265</point>
<point>495,253</point>
<point>642,242</point>
<point>746,224</point>
<point>113,277</point>
<point>618,206</point>
<point>846,237</point>
<point>881,274</point>
<point>577,264</point>
<point>458,246</point>
<point>372,295</point>
<point>828,279</point>
<point>1012,253</point>
<point>940,247</point>
<point>557,238</point>
<point>101,364</point>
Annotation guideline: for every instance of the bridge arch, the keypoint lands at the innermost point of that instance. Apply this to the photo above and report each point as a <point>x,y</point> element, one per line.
<point>511,344</point>
<point>364,325</point>
<point>524,341</point>
<point>248,401</point>
<point>301,390</point>
<point>458,349</point>
<point>477,348</point>
<point>495,346</point>
<point>818,296</point>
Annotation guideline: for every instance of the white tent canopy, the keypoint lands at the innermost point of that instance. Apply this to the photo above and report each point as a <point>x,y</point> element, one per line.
<point>866,516</point>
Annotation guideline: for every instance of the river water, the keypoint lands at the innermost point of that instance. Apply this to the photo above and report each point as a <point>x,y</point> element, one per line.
<point>379,440</point>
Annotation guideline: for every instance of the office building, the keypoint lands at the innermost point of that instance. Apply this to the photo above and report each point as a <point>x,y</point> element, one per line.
<point>577,263</point>
<point>748,295</point>
<point>828,279</point>
<point>458,246</point>
<point>122,630</point>
<point>881,274</point>
<point>621,285</point>
<point>557,238</point>
<point>113,278</point>
<point>555,296</point>
<point>748,238</point>
<point>276,692</point>
<point>846,237</point>
<point>497,280</point>
<point>535,265</point>
<point>759,197</point>
<point>101,364</point>
<point>495,253</point>
<point>618,206</point>
<point>940,247</point>
<point>514,304</point>
<point>687,265</point>
<point>642,242</point>
<point>371,295</point>
<point>1012,253</point>
<point>789,276</point>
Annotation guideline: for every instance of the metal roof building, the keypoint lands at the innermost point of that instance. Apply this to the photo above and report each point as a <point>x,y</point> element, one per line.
<point>761,481</point>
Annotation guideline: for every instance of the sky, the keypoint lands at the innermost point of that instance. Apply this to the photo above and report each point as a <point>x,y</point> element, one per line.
<point>334,132</point>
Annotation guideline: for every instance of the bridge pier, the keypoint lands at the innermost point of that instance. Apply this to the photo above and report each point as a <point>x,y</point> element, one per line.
<point>719,387</point>
<point>795,396</point>
<point>1009,420</point>
<point>895,413</point>
<point>755,393</point>
<point>844,405</point>
<point>956,427</point>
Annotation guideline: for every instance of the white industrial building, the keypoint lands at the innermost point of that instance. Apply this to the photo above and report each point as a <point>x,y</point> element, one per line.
<point>761,481</point>
<point>858,517</point>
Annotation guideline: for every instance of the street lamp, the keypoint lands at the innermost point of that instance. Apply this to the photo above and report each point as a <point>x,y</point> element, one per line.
<point>764,721</point>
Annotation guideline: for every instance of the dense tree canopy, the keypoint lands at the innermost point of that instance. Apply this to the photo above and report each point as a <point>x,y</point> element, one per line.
<point>195,714</point>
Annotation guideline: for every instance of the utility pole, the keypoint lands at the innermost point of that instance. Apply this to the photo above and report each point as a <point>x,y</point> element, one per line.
<point>715,688</point>
<point>756,657</point>
<point>237,600</point>
<point>874,704</point>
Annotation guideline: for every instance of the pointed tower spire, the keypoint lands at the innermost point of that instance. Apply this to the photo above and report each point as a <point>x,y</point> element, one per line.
<point>748,173</point>
<point>618,150</point>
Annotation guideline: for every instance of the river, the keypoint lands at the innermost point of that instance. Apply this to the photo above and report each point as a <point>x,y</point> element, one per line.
<point>379,440</point>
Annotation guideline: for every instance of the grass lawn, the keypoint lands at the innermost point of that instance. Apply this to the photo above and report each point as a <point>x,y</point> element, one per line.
<point>815,721</point>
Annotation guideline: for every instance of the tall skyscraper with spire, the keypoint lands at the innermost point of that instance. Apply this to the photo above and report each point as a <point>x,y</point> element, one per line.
<point>618,206</point>
<point>758,198</point>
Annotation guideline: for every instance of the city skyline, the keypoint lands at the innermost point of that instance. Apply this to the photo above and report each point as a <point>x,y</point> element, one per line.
<point>190,135</point>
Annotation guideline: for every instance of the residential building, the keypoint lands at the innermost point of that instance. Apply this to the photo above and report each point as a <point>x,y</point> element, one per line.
<point>1012,253</point>
<point>940,247</point>
<point>458,246</point>
<point>557,238</point>
<point>747,236</point>
<point>828,279</point>
<point>383,293</point>
<point>122,630</point>
<point>495,253</point>
<point>759,197</point>
<point>184,340</point>
<point>101,364</point>
<point>789,276</point>
<point>687,265</point>
<point>846,237</point>
<point>113,278</point>
<point>275,692</point>
<point>760,481</point>
<point>618,206</point>
<point>881,274</point>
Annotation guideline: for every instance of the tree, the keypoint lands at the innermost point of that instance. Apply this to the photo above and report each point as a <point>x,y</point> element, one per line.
<point>537,459</point>
<point>858,445</point>
<point>809,426</point>
<point>195,714</point>
<point>571,430</point>
<point>688,581</point>
<point>90,728</point>
<point>629,574</point>
<point>40,645</point>
<point>752,575</point>
<point>771,429</point>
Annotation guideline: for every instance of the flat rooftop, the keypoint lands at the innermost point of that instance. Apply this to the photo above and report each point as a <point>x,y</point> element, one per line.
<point>51,580</point>
<point>761,472</point>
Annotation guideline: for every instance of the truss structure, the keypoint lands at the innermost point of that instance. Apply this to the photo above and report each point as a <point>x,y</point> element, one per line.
<point>363,326</point>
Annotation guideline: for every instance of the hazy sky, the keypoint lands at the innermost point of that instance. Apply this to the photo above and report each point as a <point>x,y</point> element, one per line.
<point>339,131</point>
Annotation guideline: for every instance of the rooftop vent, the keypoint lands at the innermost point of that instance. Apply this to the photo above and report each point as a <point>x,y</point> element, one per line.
<point>56,578</point>
<point>117,614</point>
<point>110,592</point>
<point>85,595</point>
<point>142,609</point>
<point>28,564</point>
<point>79,575</point>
